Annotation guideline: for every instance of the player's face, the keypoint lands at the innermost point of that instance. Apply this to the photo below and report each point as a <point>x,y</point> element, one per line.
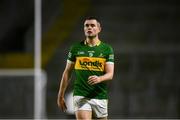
<point>91,28</point>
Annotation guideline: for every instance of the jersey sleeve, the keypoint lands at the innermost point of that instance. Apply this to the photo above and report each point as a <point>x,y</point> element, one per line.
<point>71,55</point>
<point>110,56</point>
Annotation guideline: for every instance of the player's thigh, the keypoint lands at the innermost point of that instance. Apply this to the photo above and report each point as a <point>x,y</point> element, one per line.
<point>83,114</point>
<point>99,108</point>
<point>82,108</point>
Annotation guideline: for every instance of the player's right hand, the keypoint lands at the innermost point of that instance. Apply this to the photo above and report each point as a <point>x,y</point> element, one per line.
<point>61,103</point>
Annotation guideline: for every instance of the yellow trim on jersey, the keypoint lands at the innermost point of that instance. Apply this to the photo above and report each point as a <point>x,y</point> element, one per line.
<point>90,63</point>
<point>97,44</point>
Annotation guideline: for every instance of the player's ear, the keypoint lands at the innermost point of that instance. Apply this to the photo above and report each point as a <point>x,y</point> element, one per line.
<point>99,26</point>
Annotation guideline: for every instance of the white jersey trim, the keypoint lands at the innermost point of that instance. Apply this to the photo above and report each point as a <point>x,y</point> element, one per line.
<point>109,62</point>
<point>71,62</point>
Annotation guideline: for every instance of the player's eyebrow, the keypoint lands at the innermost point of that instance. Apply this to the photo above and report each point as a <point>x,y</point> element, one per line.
<point>89,25</point>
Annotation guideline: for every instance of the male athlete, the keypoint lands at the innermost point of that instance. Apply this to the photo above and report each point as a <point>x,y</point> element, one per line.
<point>93,63</point>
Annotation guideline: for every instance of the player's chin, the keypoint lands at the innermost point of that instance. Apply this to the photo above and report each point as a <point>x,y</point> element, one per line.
<point>91,36</point>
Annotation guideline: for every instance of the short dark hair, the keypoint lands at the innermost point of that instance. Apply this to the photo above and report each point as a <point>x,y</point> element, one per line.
<point>92,18</point>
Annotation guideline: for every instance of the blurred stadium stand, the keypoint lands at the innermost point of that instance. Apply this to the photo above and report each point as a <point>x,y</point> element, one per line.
<point>145,37</point>
<point>16,18</point>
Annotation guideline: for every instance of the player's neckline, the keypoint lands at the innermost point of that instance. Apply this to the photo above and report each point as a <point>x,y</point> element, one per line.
<point>97,44</point>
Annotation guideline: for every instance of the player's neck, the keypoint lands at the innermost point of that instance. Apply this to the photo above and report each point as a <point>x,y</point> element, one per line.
<point>92,42</point>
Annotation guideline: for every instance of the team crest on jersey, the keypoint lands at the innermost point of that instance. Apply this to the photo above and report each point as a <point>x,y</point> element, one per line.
<point>91,53</point>
<point>90,63</point>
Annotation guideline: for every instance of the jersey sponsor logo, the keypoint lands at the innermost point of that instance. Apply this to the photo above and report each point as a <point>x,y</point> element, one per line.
<point>90,63</point>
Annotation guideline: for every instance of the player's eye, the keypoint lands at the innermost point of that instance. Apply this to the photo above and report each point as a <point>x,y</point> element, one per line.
<point>89,25</point>
<point>86,25</point>
<point>92,25</point>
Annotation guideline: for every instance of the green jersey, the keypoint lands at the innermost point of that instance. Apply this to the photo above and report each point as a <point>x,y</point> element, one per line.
<point>90,61</point>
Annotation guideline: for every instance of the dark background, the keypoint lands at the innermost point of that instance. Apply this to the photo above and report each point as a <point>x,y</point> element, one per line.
<point>145,37</point>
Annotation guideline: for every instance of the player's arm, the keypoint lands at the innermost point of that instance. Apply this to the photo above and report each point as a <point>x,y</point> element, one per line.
<point>63,85</point>
<point>109,72</point>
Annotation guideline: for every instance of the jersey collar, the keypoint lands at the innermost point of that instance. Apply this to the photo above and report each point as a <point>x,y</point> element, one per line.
<point>97,44</point>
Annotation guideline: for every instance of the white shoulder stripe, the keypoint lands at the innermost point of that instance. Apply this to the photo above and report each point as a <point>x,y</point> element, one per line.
<point>71,62</point>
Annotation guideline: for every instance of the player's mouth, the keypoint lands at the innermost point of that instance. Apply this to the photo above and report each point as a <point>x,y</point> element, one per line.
<point>89,32</point>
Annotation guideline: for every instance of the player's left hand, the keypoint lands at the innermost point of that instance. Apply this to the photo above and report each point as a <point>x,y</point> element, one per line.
<point>92,80</point>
